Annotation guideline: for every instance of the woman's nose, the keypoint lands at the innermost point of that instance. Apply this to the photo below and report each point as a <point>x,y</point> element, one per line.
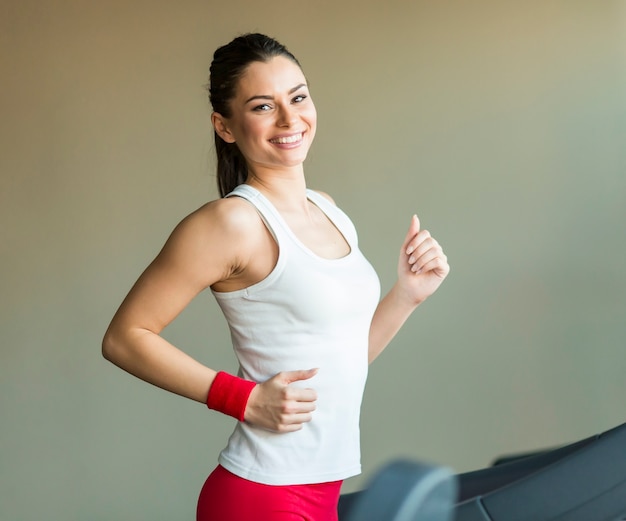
<point>286,116</point>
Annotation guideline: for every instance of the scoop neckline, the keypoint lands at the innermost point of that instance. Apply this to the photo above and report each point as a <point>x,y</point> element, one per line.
<point>311,196</point>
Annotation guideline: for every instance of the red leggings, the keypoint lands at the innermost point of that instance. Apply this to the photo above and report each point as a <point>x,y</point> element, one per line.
<point>227,497</point>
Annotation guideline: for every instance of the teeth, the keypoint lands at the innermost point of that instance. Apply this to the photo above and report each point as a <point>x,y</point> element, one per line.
<point>286,140</point>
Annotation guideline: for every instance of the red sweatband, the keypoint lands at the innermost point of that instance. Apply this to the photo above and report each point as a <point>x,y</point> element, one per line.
<point>229,394</point>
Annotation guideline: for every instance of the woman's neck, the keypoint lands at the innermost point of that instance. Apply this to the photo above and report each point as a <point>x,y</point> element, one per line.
<point>286,189</point>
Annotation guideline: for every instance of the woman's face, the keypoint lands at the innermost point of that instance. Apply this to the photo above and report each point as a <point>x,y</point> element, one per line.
<point>273,119</point>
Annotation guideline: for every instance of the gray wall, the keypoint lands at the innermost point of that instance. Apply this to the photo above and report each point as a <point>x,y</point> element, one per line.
<point>502,124</point>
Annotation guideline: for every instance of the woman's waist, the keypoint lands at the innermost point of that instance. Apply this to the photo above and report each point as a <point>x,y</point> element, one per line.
<point>322,450</point>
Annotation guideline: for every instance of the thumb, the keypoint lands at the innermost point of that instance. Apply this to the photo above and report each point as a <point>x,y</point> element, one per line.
<point>296,376</point>
<point>414,228</point>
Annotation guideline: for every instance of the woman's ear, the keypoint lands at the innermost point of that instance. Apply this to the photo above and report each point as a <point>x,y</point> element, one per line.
<point>221,127</point>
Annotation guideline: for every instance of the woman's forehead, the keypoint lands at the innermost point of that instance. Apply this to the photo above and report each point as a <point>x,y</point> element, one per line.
<point>279,74</point>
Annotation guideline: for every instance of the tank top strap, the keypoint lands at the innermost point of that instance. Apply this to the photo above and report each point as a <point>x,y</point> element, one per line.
<point>341,221</point>
<point>268,213</point>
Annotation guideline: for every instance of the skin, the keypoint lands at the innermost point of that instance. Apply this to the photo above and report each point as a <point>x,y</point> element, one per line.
<point>225,245</point>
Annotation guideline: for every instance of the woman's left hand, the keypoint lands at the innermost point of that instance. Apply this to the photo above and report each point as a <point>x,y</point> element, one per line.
<point>422,266</point>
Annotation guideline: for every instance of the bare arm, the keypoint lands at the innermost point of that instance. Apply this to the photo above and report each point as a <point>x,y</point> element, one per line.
<point>223,245</point>
<point>422,267</point>
<point>187,264</point>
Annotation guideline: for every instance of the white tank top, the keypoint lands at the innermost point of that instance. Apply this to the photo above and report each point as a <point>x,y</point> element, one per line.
<point>308,312</point>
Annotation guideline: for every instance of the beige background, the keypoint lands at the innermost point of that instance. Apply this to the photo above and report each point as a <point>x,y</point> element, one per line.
<point>502,124</point>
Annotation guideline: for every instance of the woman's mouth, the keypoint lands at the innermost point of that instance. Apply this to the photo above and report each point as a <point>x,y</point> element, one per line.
<point>287,140</point>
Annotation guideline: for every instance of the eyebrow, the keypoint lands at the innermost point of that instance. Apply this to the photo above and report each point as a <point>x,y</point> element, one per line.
<point>267,97</point>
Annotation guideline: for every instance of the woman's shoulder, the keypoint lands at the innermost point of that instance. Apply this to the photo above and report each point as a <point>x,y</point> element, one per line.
<point>230,217</point>
<point>214,239</point>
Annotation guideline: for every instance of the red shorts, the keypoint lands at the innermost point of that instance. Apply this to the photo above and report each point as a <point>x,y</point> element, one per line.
<point>227,497</point>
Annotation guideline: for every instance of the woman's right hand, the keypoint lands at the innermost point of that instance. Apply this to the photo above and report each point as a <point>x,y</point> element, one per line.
<point>277,406</point>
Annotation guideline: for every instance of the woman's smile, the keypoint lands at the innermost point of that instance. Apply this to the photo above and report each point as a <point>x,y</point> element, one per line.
<point>288,141</point>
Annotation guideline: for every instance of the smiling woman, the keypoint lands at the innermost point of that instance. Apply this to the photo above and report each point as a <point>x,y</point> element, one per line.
<point>272,116</point>
<point>301,301</point>
<point>231,63</point>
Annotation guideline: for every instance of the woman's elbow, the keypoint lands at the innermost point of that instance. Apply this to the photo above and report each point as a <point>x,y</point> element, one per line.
<point>110,347</point>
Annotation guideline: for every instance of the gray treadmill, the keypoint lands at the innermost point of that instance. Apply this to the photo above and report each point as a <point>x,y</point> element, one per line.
<point>582,481</point>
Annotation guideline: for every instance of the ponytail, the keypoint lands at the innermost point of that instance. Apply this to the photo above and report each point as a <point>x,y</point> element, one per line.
<point>232,169</point>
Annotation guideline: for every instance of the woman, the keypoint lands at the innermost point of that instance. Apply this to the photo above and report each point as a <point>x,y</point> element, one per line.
<point>301,301</point>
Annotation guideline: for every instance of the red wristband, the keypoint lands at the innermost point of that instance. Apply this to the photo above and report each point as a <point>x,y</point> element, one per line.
<point>229,394</point>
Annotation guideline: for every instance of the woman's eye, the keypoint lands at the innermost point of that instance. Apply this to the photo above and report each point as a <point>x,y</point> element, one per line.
<point>299,99</point>
<point>262,108</point>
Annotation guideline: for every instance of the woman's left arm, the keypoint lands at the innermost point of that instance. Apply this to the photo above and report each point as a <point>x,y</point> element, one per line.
<point>422,267</point>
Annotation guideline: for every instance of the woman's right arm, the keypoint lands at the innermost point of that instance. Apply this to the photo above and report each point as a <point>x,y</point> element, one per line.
<point>187,264</point>
<point>217,244</point>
